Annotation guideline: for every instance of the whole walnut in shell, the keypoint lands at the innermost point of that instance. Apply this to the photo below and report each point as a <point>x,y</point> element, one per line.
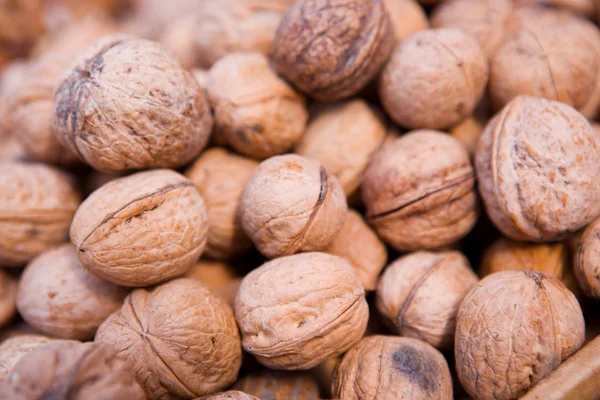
<point>512,330</point>
<point>537,165</point>
<point>419,191</point>
<point>331,49</point>
<point>256,112</point>
<point>406,17</point>
<point>292,204</point>
<point>37,204</point>
<point>297,311</point>
<point>181,339</point>
<point>14,348</point>
<point>393,368</point>
<point>126,231</point>
<point>587,261</point>
<point>231,395</point>
<point>280,385</point>
<point>128,104</point>
<point>434,79</point>
<point>8,297</point>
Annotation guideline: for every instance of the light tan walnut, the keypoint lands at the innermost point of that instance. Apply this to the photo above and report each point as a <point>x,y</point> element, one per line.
<point>406,17</point>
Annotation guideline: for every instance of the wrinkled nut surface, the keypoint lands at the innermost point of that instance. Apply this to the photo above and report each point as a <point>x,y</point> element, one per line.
<point>114,229</point>
<point>434,79</point>
<point>181,339</point>
<point>406,17</point>
<point>8,297</point>
<point>13,348</point>
<point>537,166</point>
<point>231,395</point>
<point>128,104</point>
<point>343,137</point>
<point>587,261</point>
<point>59,297</point>
<point>280,385</point>
<point>331,49</point>
<point>256,111</point>
<point>297,311</point>
<point>37,204</point>
<point>292,204</point>
<point>419,191</point>
<point>393,368</point>
<point>512,330</point>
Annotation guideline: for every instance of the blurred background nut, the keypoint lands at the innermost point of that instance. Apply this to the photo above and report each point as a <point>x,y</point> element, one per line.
<point>529,321</point>
<point>587,261</point>
<point>181,339</point>
<point>231,395</point>
<point>280,385</point>
<point>393,368</point>
<point>114,230</point>
<point>21,23</point>
<point>297,311</point>
<point>582,7</point>
<point>222,278</point>
<point>11,76</point>
<point>8,297</point>
<point>37,204</point>
<point>330,49</point>
<point>469,131</point>
<point>406,18</point>
<point>292,204</point>
<point>13,348</point>
<point>419,191</point>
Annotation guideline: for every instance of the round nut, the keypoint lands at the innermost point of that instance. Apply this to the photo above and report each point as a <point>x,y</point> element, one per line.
<point>406,17</point>
<point>115,229</point>
<point>587,261</point>
<point>8,297</point>
<point>231,395</point>
<point>22,24</point>
<point>469,132</point>
<point>292,204</point>
<point>537,165</point>
<point>532,16</point>
<point>512,330</point>
<point>181,339</point>
<point>297,311</point>
<point>284,385</point>
<point>14,348</point>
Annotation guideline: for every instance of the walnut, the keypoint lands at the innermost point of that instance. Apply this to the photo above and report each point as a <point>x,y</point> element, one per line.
<point>586,261</point>
<point>533,16</point>
<point>393,368</point>
<point>297,311</point>
<point>12,150</point>
<point>406,17</point>
<point>13,348</point>
<point>280,385</point>
<point>128,104</point>
<point>331,49</point>
<point>512,330</point>
<point>344,137</point>
<point>201,76</point>
<point>434,79</point>
<point>37,203</point>
<point>21,24</point>
<point>582,7</point>
<point>419,191</point>
<point>256,112</point>
<point>469,131</point>
<point>8,297</point>
<point>115,229</point>
<point>11,77</point>
<point>180,337</point>
<point>231,395</point>
<point>292,204</point>
<point>537,165</point>
<point>220,277</point>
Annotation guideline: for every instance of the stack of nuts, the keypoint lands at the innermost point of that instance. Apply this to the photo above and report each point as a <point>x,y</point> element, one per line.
<point>299,200</point>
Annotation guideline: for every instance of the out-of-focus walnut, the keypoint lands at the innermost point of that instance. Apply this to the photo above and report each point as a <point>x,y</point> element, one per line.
<point>10,79</point>
<point>297,311</point>
<point>12,150</point>
<point>201,76</point>
<point>126,231</point>
<point>537,166</point>
<point>582,7</point>
<point>434,79</point>
<point>512,330</point>
<point>37,204</point>
<point>470,130</point>
<point>96,179</point>
<point>12,349</point>
<point>393,368</point>
<point>220,277</point>
<point>128,104</point>
<point>420,191</point>
<point>181,339</point>
<point>292,204</point>
<point>406,17</point>
<point>280,385</point>
<point>331,49</point>
<point>524,17</point>
<point>587,260</point>
<point>21,24</point>
<point>231,395</point>
<point>324,374</point>
<point>8,297</point>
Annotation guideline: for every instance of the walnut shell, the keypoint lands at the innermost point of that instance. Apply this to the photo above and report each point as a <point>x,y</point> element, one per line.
<point>220,277</point>
<point>434,79</point>
<point>586,261</point>
<point>21,24</point>
<point>128,104</point>
<point>512,330</point>
<point>331,49</point>
<point>257,112</point>
<point>125,231</point>
<point>8,297</point>
<point>231,395</point>
<point>292,204</point>
<point>37,203</point>
<point>406,17</point>
<point>11,76</point>
<point>537,165</point>
<point>534,16</point>
<point>419,191</point>
<point>297,311</point>
<point>582,7</point>
<point>12,150</point>
<point>201,76</point>
<point>280,385</point>
<point>181,339</point>
<point>14,348</point>
<point>393,368</point>
<point>469,132</point>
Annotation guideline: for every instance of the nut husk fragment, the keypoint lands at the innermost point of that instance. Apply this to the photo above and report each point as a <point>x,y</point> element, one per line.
<point>280,385</point>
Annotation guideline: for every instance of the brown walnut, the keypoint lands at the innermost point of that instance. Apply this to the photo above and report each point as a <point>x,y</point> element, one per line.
<point>8,297</point>
<point>587,261</point>
<point>584,8</point>
<point>280,385</point>
<point>21,24</point>
<point>13,348</point>
<point>231,395</point>
<point>406,17</point>
<point>220,277</point>
<point>469,131</point>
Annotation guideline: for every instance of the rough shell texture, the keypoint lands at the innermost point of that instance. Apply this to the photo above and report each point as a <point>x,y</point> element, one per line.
<point>420,191</point>
<point>114,230</point>
<point>280,385</point>
<point>537,165</point>
<point>13,348</point>
<point>37,203</point>
<point>181,339</point>
<point>231,395</point>
<point>434,79</point>
<point>393,368</point>
<point>297,311</point>
<point>331,49</point>
<point>406,17</point>
<point>69,369</point>
<point>344,137</point>
<point>292,204</point>
<point>60,298</point>
<point>8,297</point>
<point>128,104</point>
<point>512,330</point>
<point>587,261</point>
<point>256,112</point>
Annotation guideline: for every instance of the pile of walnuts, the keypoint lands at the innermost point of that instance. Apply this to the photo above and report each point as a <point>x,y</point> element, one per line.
<point>299,199</point>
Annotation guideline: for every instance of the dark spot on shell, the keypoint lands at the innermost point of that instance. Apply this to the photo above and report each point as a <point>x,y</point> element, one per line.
<point>132,130</point>
<point>258,128</point>
<point>459,107</point>
<point>52,295</point>
<point>460,64</point>
<point>213,340</point>
<point>292,166</point>
<point>416,367</point>
<point>536,276</point>
<point>33,232</point>
<point>128,70</point>
<point>241,134</point>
